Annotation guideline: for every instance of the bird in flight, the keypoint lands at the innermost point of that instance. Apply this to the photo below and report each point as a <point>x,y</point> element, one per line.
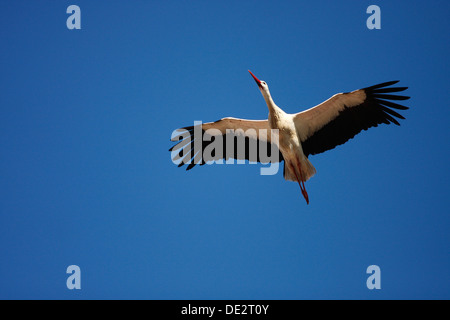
<point>313,131</point>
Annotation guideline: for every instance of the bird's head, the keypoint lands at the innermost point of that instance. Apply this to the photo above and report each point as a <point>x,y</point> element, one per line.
<point>262,85</point>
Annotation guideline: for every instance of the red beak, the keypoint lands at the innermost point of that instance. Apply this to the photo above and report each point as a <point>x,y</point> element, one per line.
<point>258,82</point>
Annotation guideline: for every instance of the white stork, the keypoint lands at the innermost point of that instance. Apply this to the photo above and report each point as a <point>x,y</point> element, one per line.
<point>313,131</point>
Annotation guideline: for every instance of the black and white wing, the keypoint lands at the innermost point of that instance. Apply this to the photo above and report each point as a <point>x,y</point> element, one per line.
<point>227,138</point>
<point>344,115</point>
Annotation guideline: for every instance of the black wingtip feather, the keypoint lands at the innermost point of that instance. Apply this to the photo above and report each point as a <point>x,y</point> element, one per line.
<point>389,90</point>
<point>390,96</point>
<point>388,117</point>
<point>381,85</point>
<point>392,112</point>
<point>391,104</point>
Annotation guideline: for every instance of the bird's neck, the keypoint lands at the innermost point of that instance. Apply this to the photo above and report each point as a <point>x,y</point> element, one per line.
<point>273,108</point>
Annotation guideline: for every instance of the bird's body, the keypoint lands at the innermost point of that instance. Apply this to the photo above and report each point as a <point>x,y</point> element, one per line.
<point>313,131</point>
<point>297,166</point>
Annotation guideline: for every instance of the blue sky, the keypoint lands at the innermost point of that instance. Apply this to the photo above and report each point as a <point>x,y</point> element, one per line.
<point>86,179</point>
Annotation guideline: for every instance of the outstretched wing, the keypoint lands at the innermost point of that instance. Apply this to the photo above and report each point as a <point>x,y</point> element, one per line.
<point>225,139</point>
<point>344,115</point>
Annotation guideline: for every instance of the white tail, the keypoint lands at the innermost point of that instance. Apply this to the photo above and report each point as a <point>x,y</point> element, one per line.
<point>308,170</point>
